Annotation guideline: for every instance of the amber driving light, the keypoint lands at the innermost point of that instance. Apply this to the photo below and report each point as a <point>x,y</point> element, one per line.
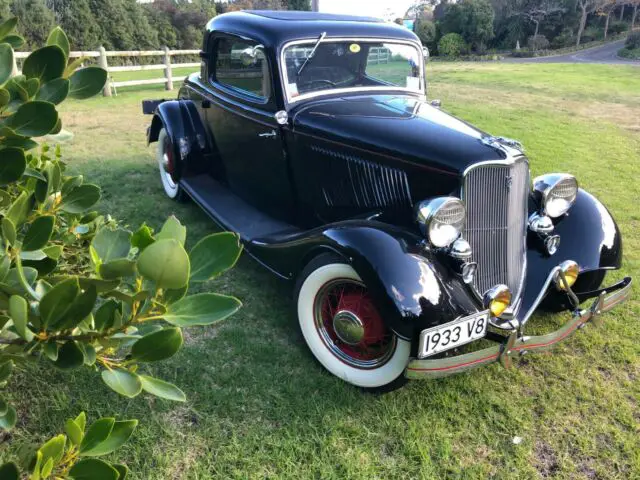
<point>497,300</point>
<point>569,270</point>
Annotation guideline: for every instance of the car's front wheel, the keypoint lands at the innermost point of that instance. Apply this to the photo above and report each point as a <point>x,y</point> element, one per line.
<point>343,328</point>
<point>165,156</point>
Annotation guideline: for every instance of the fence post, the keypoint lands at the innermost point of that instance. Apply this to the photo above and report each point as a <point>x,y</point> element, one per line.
<point>167,71</point>
<point>105,64</point>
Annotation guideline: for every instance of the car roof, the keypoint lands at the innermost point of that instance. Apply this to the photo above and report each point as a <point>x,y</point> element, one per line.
<point>274,28</point>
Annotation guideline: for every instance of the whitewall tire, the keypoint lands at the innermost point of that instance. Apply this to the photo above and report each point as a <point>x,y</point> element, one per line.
<point>166,164</point>
<point>343,329</point>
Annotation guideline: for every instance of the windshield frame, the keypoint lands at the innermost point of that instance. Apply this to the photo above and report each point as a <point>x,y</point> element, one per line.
<point>333,91</point>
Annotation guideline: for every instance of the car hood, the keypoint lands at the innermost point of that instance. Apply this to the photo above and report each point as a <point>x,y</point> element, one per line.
<point>404,127</point>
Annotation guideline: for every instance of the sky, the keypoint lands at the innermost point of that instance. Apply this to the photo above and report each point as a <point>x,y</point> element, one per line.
<point>371,8</point>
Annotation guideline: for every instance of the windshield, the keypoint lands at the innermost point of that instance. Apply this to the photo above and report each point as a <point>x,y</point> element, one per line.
<point>350,64</point>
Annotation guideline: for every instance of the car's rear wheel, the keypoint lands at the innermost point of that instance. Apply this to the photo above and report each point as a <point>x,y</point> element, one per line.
<point>343,328</point>
<point>165,155</point>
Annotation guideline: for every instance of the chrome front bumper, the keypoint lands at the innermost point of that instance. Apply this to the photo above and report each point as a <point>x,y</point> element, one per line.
<point>518,344</point>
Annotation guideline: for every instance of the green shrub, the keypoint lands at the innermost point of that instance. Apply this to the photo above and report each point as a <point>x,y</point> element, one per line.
<point>630,53</point>
<point>565,38</point>
<point>537,42</point>
<point>633,41</point>
<point>616,28</point>
<point>592,34</point>
<point>452,45</point>
<point>77,290</point>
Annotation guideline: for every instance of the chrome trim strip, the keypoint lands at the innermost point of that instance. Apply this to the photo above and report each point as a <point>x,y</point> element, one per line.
<point>285,78</point>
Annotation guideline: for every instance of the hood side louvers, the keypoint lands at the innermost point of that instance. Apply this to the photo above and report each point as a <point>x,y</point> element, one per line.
<point>349,181</point>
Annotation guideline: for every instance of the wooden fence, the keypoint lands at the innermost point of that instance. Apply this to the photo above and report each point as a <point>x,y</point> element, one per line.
<point>102,56</point>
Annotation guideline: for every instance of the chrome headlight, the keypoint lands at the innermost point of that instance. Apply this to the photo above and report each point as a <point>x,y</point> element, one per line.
<point>557,192</point>
<point>441,220</point>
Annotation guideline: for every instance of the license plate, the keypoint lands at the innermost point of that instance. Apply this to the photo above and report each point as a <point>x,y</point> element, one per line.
<point>453,334</point>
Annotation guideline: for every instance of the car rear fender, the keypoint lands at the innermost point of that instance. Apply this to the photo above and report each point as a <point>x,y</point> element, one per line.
<point>181,120</point>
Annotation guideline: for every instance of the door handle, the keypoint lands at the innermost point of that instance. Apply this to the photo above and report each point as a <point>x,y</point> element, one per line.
<point>270,134</point>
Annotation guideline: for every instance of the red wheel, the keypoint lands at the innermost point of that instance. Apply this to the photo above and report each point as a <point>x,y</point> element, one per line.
<point>350,325</point>
<point>343,328</point>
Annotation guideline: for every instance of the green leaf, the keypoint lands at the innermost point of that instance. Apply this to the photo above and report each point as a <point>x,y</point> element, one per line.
<point>90,354</point>
<point>111,245</point>
<point>8,420</point>
<point>30,172</point>
<point>80,309</point>
<point>9,471</point>
<point>5,98</point>
<point>31,86</point>
<point>9,231</point>
<point>123,382</point>
<point>39,233</point>
<point>172,228</point>
<point>16,41</point>
<point>98,432</point>
<point>81,421</point>
<point>173,295</point>
<point>120,433</point>
<point>33,119</point>
<point>162,389</point>
<point>104,317</point>
<point>12,278</point>
<point>54,91</point>
<point>93,469</point>
<point>57,302</point>
<point>12,165</point>
<point>34,256</point>
<point>6,62</point>
<point>4,408</point>
<point>81,198</point>
<point>54,448</point>
<point>213,255</point>
<point>157,346</point>
<point>71,183</point>
<point>142,238</point>
<point>47,468</point>
<point>18,310</point>
<point>53,251</point>
<point>5,265</point>
<point>122,470</point>
<point>201,309</point>
<point>87,82</point>
<point>50,349</point>
<point>59,38</point>
<point>5,371</point>
<point>7,27</point>
<point>19,209</point>
<point>73,431</point>
<point>45,64</point>
<point>69,356</point>
<point>117,269</point>
<point>166,263</point>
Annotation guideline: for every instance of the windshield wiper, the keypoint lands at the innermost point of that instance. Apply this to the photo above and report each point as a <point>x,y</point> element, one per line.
<point>313,52</point>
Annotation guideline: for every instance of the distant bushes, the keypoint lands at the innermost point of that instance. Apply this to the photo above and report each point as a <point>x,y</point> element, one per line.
<point>537,42</point>
<point>452,45</point>
<point>631,48</point>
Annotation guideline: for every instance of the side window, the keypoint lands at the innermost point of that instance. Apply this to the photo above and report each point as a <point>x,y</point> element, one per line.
<point>241,65</point>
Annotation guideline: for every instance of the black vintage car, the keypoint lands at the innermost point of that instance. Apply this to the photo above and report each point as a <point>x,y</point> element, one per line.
<point>418,245</point>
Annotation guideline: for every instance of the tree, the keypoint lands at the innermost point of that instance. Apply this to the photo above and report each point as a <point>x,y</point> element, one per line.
<point>76,17</point>
<point>301,5</point>
<point>606,10</point>
<point>586,7</point>
<point>473,19</point>
<point>426,32</point>
<point>538,10</point>
<point>37,21</point>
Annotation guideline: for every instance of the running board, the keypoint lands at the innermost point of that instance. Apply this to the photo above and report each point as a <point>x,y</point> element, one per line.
<point>230,211</point>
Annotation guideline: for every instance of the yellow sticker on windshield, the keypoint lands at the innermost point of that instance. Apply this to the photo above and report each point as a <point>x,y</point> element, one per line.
<point>354,47</point>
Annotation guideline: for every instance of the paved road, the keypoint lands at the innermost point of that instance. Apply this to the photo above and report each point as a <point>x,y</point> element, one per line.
<point>603,54</point>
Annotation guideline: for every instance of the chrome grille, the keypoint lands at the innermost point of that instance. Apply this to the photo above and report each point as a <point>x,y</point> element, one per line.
<point>496,199</point>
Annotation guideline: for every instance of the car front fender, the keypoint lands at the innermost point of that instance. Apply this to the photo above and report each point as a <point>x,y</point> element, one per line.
<point>410,286</point>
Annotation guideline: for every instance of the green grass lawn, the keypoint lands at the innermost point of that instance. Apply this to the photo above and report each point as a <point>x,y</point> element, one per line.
<point>260,407</point>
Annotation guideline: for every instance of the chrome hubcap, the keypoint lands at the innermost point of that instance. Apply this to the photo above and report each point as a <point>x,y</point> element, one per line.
<point>166,163</point>
<point>348,327</point>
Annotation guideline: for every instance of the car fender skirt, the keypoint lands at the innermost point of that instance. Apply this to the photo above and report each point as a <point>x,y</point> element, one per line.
<point>184,126</point>
<point>411,288</point>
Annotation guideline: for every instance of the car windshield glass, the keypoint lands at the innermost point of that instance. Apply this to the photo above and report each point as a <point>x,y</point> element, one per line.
<point>351,64</point>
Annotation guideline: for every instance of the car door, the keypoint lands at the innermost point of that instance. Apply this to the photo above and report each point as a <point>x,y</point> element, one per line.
<point>241,119</point>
